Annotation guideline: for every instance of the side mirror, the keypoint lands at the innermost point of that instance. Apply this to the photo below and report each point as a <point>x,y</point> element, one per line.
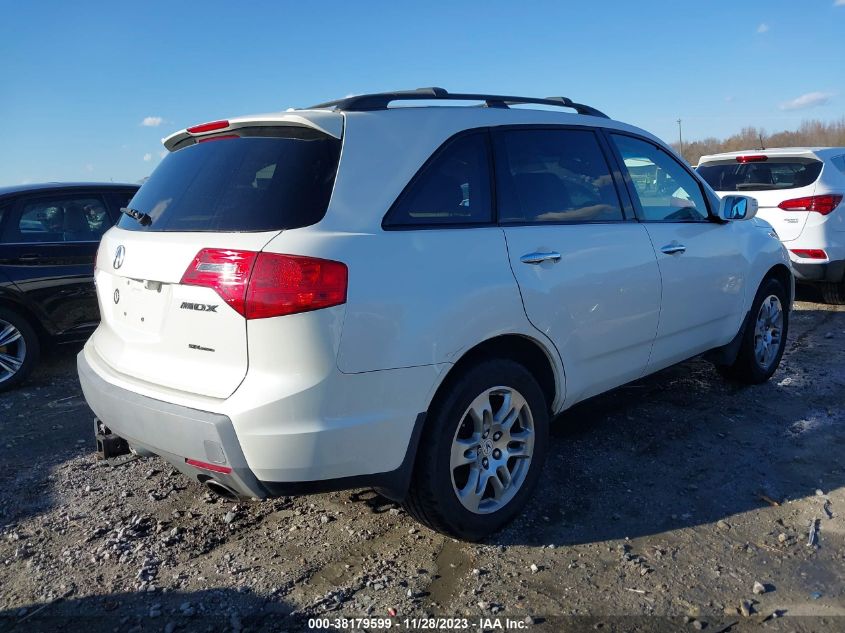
<point>738,208</point>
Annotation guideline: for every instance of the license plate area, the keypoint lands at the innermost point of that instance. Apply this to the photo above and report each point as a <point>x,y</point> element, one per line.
<point>140,304</point>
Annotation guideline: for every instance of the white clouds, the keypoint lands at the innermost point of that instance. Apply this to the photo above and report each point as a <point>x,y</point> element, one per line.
<point>89,168</point>
<point>152,121</point>
<point>730,99</point>
<point>809,100</point>
<point>148,157</point>
<point>763,28</point>
<point>839,3</point>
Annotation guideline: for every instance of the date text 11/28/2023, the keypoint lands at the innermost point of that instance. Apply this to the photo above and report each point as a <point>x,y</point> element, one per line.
<point>418,624</point>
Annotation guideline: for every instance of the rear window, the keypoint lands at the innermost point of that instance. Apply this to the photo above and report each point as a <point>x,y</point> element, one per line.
<point>281,179</point>
<point>773,173</point>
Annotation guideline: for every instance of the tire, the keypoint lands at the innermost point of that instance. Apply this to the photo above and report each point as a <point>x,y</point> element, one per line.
<point>750,367</point>
<point>833,293</point>
<point>497,388</point>
<point>19,348</point>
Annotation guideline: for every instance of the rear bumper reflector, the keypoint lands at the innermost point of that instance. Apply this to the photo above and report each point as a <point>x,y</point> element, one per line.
<point>215,468</point>
<point>809,253</point>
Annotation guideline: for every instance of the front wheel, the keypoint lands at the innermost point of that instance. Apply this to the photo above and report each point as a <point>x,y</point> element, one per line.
<point>764,339</point>
<point>481,451</point>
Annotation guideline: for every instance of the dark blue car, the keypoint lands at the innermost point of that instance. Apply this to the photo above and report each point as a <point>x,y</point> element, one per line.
<point>49,235</point>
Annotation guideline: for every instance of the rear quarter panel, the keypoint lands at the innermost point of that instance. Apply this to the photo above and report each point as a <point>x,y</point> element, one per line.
<point>419,297</point>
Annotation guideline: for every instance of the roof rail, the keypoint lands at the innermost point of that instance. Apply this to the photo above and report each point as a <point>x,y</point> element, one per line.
<point>380,101</point>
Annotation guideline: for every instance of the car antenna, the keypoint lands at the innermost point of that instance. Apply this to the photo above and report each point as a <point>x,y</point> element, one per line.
<point>760,136</point>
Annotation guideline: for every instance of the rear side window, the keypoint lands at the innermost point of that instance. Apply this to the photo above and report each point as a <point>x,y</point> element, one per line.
<point>839,163</point>
<point>81,218</point>
<point>666,191</point>
<point>453,188</point>
<point>241,183</point>
<point>553,176</point>
<point>762,175</point>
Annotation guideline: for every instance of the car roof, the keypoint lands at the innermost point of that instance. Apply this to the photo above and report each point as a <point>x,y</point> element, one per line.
<point>333,122</point>
<point>819,152</point>
<point>55,186</point>
<point>332,117</point>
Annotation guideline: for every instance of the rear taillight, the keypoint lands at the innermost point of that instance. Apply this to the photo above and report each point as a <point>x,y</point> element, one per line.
<point>809,253</point>
<point>225,271</point>
<point>286,284</point>
<point>261,285</point>
<point>820,204</point>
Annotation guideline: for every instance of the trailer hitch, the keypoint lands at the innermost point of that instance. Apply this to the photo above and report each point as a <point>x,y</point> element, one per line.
<point>108,444</point>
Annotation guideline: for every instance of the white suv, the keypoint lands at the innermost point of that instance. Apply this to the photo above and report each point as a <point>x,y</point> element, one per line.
<point>799,190</point>
<point>400,297</point>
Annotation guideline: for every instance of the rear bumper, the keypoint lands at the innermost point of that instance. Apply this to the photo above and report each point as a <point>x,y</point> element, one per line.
<point>278,447</point>
<point>828,271</point>
<point>173,432</point>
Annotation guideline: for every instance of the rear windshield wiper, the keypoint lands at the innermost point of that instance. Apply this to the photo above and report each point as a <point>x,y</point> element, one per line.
<point>143,218</point>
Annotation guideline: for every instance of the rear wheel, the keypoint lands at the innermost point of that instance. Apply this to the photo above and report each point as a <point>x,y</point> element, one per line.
<point>481,451</point>
<point>764,339</point>
<point>833,293</point>
<point>19,348</point>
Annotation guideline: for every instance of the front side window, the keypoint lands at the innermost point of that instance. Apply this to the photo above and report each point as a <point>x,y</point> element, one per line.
<point>452,189</point>
<point>553,176</point>
<point>65,219</point>
<point>666,191</point>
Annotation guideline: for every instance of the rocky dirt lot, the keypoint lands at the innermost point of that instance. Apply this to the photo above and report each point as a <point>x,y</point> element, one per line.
<point>677,503</point>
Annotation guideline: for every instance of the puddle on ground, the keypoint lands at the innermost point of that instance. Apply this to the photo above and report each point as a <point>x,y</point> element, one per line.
<point>452,563</point>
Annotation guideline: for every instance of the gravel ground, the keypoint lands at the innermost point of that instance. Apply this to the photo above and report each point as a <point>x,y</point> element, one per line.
<point>679,502</point>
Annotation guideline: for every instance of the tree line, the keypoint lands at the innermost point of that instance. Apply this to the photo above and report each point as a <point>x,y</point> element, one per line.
<point>812,133</point>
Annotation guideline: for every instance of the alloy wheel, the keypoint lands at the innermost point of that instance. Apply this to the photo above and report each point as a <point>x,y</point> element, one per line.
<point>768,332</point>
<point>492,450</point>
<point>12,350</point>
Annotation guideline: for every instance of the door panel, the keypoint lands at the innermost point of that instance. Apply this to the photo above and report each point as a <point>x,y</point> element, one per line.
<point>701,264</point>
<point>703,288</point>
<point>588,278</point>
<point>599,303</point>
<point>57,279</point>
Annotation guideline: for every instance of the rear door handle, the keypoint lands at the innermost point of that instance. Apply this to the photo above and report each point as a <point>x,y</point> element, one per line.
<point>672,249</point>
<point>28,259</point>
<point>539,258</point>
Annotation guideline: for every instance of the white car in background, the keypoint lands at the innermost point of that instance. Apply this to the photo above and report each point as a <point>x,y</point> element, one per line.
<point>799,191</point>
<point>357,295</point>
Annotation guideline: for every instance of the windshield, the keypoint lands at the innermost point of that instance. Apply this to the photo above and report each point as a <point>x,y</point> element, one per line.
<point>280,179</point>
<point>773,173</point>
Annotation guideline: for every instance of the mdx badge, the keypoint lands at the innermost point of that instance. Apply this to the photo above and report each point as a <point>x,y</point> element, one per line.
<point>199,307</point>
<point>119,254</point>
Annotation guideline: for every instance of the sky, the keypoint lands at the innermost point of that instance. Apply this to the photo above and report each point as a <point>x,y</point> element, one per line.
<point>88,89</point>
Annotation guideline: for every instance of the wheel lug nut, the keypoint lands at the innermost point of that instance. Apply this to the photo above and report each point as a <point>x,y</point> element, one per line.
<point>484,462</point>
<point>496,436</point>
<point>486,433</point>
<point>497,454</point>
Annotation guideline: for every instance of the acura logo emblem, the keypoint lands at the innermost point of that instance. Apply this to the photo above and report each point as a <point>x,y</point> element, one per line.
<point>118,257</point>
